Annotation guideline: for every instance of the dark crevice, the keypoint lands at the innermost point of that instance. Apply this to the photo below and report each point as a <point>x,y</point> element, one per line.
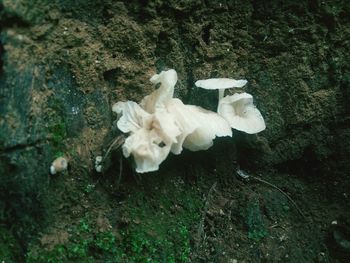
<point>8,19</point>
<point>163,47</point>
<point>206,34</point>
<point>111,76</point>
<point>107,14</point>
<point>22,146</point>
<point>161,144</point>
<point>13,21</point>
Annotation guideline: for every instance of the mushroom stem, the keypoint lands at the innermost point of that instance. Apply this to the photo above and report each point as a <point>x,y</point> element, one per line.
<point>221,93</point>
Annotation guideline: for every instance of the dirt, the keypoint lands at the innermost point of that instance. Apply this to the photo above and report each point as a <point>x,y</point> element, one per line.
<point>63,64</point>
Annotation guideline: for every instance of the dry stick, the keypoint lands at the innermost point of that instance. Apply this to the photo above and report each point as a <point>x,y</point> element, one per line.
<point>120,170</point>
<point>205,210</point>
<point>120,140</point>
<point>280,190</point>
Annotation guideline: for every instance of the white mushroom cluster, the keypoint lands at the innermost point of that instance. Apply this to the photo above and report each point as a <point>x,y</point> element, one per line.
<point>238,110</point>
<point>161,124</point>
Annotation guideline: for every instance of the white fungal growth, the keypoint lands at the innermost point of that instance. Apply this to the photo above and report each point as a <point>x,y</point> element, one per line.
<point>151,135</point>
<point>161,124</point>
<point>98,164</point>
<point>198,126</point>
<point>220,84</point>
<point>58,165</point>
<point>158,98</point>
<point>240,112</point>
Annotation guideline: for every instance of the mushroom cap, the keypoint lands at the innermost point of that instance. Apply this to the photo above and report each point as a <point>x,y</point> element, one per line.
<point>211,125</point>
<point>165,126</point>
<point>98,163</point>
<point>220,83</point>
<point>241,113</point>
<point>168,77</point>
<point>151,135</point>
<point>132,116</point>
<point>147,149</point>
<point>98,159</point>
<point>163,94</point>
<point>98,168</point>
<point>58,165</point>
<point>198,126</point>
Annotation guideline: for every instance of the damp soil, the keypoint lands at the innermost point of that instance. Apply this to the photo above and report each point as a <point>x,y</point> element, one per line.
<point>64,63</point>
<point>201,211</point>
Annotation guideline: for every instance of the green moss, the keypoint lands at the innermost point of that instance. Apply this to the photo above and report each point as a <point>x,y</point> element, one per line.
<point>255,222</point>
<point>58,254</point>
<point>34,11</point>
<point>9,247</point>
<point>58,132</point>
<point>146,233</point>
<point>56,126</point>
<point>84,246</point>
<point>162,233</point>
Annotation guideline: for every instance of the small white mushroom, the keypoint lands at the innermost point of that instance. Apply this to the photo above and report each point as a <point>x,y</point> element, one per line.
<point>98,159</point>
<point>220,84</point>
<point>58,165</point>
<point>240,112</point>
<point>98,168</point>
<point>98,164</point>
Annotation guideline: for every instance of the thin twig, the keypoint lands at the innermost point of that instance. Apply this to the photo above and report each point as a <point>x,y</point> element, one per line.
<point>120,170</point>
<point>118,141</point>
<point>281,191</point>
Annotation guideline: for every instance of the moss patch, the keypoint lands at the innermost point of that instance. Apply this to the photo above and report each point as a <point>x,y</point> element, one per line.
<point>154,226</point>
